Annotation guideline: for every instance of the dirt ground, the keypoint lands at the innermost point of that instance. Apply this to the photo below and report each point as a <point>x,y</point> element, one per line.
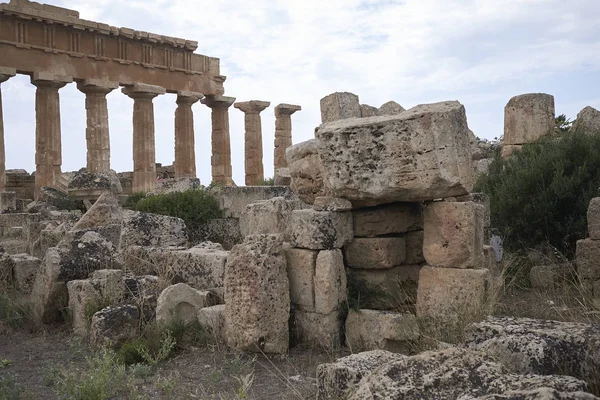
<point>214,372</point>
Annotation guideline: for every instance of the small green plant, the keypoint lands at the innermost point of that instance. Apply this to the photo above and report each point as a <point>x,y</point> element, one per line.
<point>9,388</point>
<point>168,384</point>
<point>167,345</point>
<point>134,198</point>
<point>244,382</point>
<point>5,363</point>
<point>141,371</point>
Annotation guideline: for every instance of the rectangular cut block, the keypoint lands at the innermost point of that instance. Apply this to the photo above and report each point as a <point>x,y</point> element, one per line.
<point>387,219</point>
<point>380,330</point>
<point>414,247</point>
<point>587,258</point>
<point>330,281</point>
<point>319,230</point>
<point>453,234</point>
<point>24,269</point>
<point>384,289</point>
<point>340,105</point>
<point>376,253</point>
<point>450,298</point>
<point>420,154</point>
<point>528,117</point>
<point>301,274</point>
<point>266,217</point>
<point>212,319</point>
<point>593,219</point>
<point>319,331</point>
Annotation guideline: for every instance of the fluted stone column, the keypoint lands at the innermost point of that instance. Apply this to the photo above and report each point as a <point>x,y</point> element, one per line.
<point>253,161</point>
<point>144,152</point>
<point>96,132</point>
<point>221,143</point>
<point>185,155</point>
<point>283,132</point>
<point>5,74</point>
<point>48,147</point>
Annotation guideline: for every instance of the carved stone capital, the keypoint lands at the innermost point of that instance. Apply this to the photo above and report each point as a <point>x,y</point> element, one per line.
<point>90,86</point>
<point>252,106</point>
<point>218,101</point>
<point>143,91</point>
<point>286,109</point>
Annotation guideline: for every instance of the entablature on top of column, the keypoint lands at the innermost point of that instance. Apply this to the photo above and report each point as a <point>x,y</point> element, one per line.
<point>141,90</point>
<point>6,73</point>
<point>252,106</point>
<point>286,109</point>
<point>218,101</point>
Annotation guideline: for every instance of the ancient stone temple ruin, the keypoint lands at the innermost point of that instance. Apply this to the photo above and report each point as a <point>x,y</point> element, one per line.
<point>55,47</point>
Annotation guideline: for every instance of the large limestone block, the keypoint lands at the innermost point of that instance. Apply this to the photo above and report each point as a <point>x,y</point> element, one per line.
<point>212,319</point>
<point>105,211</point>
<point>319,230</point>
<point>115,325</point>
<point>587,255</point>
<point>420,154</point>
<point>453,234</point>
<point>257,296</point>
<point>340,105</point>
<point>376,253</point>
<point>201,266</point>
<point>305,167</point>
<point>145,229</point>
<point>330,281</point>
<point>593,219</point>
<point>25,268</point>
<point>456,373</point>
<point>328,203</point>
<point>336,379</point>
<point>181,303</point>
<point>414,247</point>
<point>83,183</point>
<point>450,298</point>
<point>530,346</point>
<point>384,289</point>
<point>390,108</point>
<point>528,117</point>
<point>367,110</point>
<point>588,121</point>
<point>71,260</point>
<point>267,217</point>
<point>387,219</point>
<point>318,331</point>
<point>301,274</point>
<point>372,330</point>
<point>173,185</point>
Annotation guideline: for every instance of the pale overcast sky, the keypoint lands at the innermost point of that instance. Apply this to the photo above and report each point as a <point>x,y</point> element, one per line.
<point>479,52</point>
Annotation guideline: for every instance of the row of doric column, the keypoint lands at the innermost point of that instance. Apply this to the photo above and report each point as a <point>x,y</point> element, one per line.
<point>48,154</point>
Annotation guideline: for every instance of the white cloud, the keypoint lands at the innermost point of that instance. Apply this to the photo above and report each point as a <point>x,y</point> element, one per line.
<point>481,52</point>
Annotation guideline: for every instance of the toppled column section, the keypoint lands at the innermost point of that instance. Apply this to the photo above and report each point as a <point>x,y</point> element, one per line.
<point>5,74</point>
<point>257,296</point>
<point>220,160</point>
<point>340,105</point>
<point>528,117</point>
<point>48,148</point>
<point>283,132</point>
<point>97,134</point>
<point>185,155</point>
<point>420,154</point>
<point>144,152</point>
<point>253,162</point>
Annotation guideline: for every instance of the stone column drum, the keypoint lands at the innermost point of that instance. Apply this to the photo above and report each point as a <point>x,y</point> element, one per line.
<point>48,147</point>
<point>144,152</point>
<point>253,162</point>
<point>283,132</point>
<point>221,143</point>
<point>5,74</point>
<point>185,155</point>
<point>97,133</point>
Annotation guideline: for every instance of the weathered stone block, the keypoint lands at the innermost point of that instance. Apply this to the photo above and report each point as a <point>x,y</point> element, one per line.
<point>414,247</point>
<point>339,105</point>
<point>328,203</point>
<point>387,219</point>
<point>587,121</point>
<point>25,268</point>
<point>367,110</point>
<point>8,201</point>
<point>528,117</point>
<point>390,108</point>
<point>319,230</point>
<point>330,281</point>
<point>376,253</point>
<point>306,177</point>
<point>182,303</point>
<point>115,325</point>
<point>257,296</point>
<point>450,298</point>
<point>587,255</point>
<point>145,229</point>
<point>384,289</point>
<point>233,200</point>
<point>420,154</point>
<point>267,217</point>
<point>593,219</point>
<point>371,330</point>
<point>301,274</point>
<point>320,331</point>
<point>225,231</point>
<point>212,319</point>
<point>453,234</point>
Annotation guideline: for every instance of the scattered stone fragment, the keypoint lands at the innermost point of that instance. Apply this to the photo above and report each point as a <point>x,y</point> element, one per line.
<point>113,326</point>
<point>384,330</point>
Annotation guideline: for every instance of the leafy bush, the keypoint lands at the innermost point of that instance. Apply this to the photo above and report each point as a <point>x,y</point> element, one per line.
<point>540,195</point>
<point>195,207</point>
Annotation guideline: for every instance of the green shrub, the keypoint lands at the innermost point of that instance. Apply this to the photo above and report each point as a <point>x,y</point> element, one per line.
<point>134,198</point>
<point>267,182</point>
<point>540,195</point>
<point>195,207</point>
